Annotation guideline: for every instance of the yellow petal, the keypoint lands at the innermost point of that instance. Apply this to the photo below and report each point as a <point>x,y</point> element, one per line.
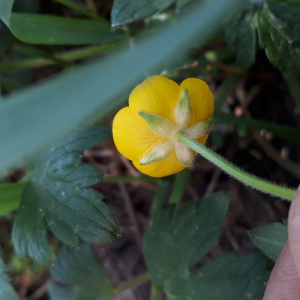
<point>132,136</point>
<point>201,99</point>
<point>161,168</point>
<point>155,95</point>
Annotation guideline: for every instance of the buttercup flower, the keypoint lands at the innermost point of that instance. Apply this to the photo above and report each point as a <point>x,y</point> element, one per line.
<point>145,131</point>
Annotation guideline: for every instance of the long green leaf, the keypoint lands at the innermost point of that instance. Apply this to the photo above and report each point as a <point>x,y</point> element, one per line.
<point>53,30</point>
<point>30,119</point>
<point>10,196</point>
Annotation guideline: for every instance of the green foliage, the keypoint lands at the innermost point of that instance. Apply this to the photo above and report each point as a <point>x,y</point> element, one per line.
<point>231,277</point>
<point>80,275</point>
<point>175,242</point>
<point>10,196</point>
<point>7,292</point>
<point>54,30</point>
<point>241,36</point>
<point>279,33</point>
<point>127,11</point>
<point>102,82</point>
<point>58,194</point>
<point>270,238</point>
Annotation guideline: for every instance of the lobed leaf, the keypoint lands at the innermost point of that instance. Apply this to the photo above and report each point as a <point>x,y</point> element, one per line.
<point>173,243</point>
<point>231,277</point>
<point>79,275</point>
<point>7,292</point>
<point>270,238</point>
<point>279,33</point>
<point>58,195</point>
<point>241,36</point>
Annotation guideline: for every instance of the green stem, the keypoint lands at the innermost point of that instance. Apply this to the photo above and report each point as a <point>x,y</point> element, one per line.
<point>130,284</point>
<point>83,11</point>
<point>229,168</point>
<point>179,185</point>
<point>60,57</point>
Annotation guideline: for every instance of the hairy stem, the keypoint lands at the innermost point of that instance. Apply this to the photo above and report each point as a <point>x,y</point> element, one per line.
<point>229,168</point>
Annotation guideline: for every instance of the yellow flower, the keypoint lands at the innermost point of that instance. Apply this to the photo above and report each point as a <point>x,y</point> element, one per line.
<point>144,132</point>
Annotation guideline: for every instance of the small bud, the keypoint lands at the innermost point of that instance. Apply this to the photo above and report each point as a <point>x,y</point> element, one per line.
<point>184,154</point>
<point>200,129</point>
<point>158,151</point>
<point>183,109</point>
<point>158,124</point>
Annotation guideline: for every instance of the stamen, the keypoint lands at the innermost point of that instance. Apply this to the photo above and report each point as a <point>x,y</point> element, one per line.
<point>159,124</point>
<point>185,155</point>
<point>158,151</point>
<point>200,129</point>
<point>183,110</point>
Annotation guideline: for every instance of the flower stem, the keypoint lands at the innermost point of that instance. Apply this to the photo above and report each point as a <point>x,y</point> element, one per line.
<point>229,168</point>
<point>130,284</point>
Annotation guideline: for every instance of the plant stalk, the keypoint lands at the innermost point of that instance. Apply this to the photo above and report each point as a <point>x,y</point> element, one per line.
<point>59,57</point>
<point>240,175</point>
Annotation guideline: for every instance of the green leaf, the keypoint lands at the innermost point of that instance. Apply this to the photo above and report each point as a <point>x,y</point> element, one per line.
<point>63,102</point>
<point>173,243</point>
<point>279,33</point>
<point>127,11</point>
<point>7,292</point>
<point>80,275</point>
<point>58,195</point>
<point>241,36</point>
<point>10,196</point>
<point>270,238</point>
<point>55,30</point>
<point>231,277</point>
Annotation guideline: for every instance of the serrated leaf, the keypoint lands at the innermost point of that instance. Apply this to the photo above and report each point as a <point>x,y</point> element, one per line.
<point>270,238</point>
<point>58,195</point>
<point>7,292</point>
<point>279,33</point>
<point>80,275</point>
<point>127,11</point>
<point>241,36</point>
<point>173,243</point>
<point>231,277</point>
